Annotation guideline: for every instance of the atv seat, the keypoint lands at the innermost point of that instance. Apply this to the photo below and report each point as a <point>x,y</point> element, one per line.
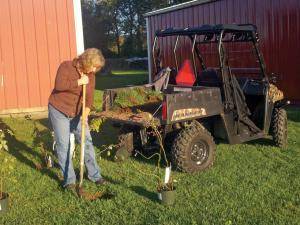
<point>209,78</point>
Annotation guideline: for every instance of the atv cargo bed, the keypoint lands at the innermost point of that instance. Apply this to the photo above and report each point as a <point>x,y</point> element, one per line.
<point>179,104</point>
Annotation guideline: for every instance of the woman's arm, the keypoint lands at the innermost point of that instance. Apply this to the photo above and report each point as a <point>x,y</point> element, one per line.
<point>63,82</point>
<point>90,91</point>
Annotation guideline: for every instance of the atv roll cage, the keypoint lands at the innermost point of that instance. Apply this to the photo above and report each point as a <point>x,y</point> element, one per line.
<point>218,34</point>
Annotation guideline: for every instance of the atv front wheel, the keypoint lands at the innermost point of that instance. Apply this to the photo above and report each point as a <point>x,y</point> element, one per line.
<point>194,149</point>
<point>278,127</point>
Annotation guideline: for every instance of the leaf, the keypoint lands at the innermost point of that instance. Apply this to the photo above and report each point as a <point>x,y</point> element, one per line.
<point>5,147</point>
<point>10,132</point>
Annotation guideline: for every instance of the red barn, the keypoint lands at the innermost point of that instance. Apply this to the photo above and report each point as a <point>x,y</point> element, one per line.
<point>278,23</point>
<point>35,36</point>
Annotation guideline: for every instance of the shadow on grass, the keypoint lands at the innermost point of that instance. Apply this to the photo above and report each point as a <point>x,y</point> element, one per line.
<point>264,142</point>
<point>293,114</point>
<point>114,181</point>
<point>145,193</point>
<point>45,122</point>
<point>20,151</point>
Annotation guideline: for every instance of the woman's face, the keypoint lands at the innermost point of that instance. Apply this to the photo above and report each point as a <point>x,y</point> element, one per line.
<point>95,69</point>
<point>92,70</point>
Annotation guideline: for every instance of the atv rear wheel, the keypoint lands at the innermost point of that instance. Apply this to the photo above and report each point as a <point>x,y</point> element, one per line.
<point>125,146</point>
<point>278,128</point>
<point>194,149</point>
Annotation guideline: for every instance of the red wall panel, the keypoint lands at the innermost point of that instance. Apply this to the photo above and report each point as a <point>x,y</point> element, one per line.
<point>278,23</point>
<point>30,46</point>
<point>35,36</point>
<point>8,76</point>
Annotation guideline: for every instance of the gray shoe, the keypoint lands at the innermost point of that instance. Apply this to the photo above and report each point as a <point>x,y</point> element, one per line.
<point>71,188</point>
<point>101,181</point>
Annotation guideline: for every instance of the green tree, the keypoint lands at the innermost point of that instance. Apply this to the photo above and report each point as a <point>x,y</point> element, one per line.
<point>106,22</point>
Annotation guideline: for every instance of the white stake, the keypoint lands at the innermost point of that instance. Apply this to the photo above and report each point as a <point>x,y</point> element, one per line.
<point>167,174</point>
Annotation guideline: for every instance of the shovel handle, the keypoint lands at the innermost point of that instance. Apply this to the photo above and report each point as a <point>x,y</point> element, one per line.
<point>83,116</point>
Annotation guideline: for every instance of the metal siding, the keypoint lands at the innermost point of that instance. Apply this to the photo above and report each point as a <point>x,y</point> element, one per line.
<point>7,56</point>
<point>35,36</point>
<point>52,39</point>
<point>19,54</point>
<point>42,50</point>
<point>31,55</point>
<point>278,23</point>
<point>2,95</point>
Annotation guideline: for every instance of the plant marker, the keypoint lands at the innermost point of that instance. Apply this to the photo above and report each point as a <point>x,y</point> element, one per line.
<point>167,174</point>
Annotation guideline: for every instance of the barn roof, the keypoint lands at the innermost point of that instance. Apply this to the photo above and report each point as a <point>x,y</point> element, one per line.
<point>177,7</point>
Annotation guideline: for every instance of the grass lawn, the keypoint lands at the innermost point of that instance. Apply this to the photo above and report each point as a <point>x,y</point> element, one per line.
<point>253,183</point>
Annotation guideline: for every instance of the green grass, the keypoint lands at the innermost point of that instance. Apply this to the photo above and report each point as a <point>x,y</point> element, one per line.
<point>253,183</point>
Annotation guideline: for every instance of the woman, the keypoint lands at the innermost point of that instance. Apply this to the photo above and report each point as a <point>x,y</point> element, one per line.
<point>65,106</point>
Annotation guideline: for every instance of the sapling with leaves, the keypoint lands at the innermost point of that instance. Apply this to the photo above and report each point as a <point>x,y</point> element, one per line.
<point>96,124</point>
<point>168,183</point>
<point>128,99</point>
<point>5,168</point>
<point>43,142</point>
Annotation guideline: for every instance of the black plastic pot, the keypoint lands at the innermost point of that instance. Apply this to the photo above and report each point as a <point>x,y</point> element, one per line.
<point>4,203</point>
<point>167,197</point>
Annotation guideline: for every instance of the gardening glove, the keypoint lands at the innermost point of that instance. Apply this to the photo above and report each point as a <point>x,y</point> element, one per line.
<point>83,80</point>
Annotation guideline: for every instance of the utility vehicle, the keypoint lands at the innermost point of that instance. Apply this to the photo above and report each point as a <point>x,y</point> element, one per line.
<point>202,104</point>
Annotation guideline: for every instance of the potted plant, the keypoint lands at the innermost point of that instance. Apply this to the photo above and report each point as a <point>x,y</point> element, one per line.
<point>166,190</point>
<point>4,197</point>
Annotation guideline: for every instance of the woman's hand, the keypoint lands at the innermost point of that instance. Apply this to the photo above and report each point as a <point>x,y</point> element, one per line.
<point>83,80</point>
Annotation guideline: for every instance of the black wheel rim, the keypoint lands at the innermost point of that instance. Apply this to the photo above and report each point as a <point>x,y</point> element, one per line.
<point>199,152</point>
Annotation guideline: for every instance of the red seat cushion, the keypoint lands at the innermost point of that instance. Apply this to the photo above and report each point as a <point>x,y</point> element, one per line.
<point>186,76</point>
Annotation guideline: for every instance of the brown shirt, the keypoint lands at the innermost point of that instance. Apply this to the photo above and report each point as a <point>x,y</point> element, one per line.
<point>67,95</point>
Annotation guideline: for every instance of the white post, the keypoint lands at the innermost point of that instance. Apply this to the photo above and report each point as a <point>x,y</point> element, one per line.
<point>80,49</point>
<point>78,26</point>
<point>149,51</point>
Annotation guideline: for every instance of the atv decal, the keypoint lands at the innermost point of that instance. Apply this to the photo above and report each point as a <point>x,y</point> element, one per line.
<point>181,114</point>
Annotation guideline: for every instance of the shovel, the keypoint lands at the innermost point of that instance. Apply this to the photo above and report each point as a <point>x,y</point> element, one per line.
<point>81,193</point>
<point>83,116</point>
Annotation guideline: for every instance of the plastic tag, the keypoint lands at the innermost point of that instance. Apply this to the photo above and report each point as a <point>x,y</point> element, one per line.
<point>167,174</point>
<point>159,196</point>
